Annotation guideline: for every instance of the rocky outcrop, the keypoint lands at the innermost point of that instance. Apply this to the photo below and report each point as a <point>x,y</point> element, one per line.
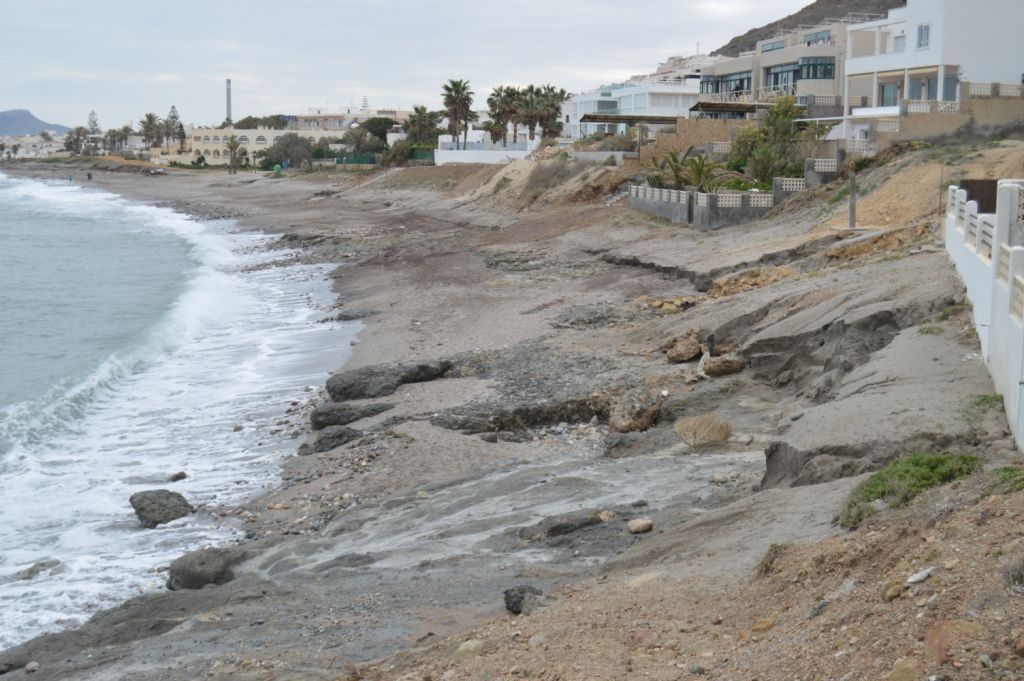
<point>159,506</point>
<point>335,436</point>
<point>684,349</point>
<point>485,418</point>
<point>382,379</point>
<point>722,366</point>
<point>635,410</point>
<point>335,414</point>
<point>197,569</point>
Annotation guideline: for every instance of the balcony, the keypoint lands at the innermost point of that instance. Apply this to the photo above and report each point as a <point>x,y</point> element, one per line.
<point>736,96</point>
<point>770,94</point>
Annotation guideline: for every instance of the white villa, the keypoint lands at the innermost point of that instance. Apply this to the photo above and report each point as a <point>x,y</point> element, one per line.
<point>923,51</point>
<point>656,99</point>
<point>211,143</point>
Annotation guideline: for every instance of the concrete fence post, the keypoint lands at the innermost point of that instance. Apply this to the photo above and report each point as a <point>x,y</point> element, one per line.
<point>971,225</point>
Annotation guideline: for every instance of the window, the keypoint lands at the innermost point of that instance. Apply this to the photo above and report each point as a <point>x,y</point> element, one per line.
<point>197,138</point>
<point>923,36</point>
<point>774,45</point>
<point>817,68</point>
<point>243,139</point>
<point>206,138</point>
<point>818,38</point>
<point>261,140</point>
<point>216,139</point>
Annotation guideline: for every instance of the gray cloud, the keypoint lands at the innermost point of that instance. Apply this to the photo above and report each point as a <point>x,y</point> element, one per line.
<point>123,59</point>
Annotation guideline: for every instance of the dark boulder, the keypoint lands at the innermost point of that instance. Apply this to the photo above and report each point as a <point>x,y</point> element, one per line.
<point>157,506</point>
<point>197,569</point>
<point>334,414</point>
<point>382,379</point>
<point>521,600</point>
<point>335,436</point>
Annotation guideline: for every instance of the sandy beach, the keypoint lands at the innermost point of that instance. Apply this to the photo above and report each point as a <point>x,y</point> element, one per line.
<point>528,344</point>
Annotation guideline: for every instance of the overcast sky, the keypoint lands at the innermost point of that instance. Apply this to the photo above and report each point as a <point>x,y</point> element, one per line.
<point>62,58</point>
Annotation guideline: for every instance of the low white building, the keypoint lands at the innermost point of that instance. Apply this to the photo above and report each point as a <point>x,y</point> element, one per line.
<point>923,51</point>
<point>476,147</point>
<point>211,143</point>
<point>33,146</point>
<point>612,109</point>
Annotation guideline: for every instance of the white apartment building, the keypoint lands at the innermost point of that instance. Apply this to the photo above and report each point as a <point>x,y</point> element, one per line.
<point>613,108</point>
<point>923,51</point>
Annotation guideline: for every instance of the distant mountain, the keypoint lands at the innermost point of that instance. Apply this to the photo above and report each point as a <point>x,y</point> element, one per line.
<point>811,15</point>
<point>22,122</point>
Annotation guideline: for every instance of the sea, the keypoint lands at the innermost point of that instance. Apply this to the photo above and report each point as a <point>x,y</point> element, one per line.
<point>137,342</point>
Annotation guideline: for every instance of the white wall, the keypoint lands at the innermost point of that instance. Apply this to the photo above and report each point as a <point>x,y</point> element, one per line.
<point>993,272</point>
<point>442,157</point>
<point>983,37</point>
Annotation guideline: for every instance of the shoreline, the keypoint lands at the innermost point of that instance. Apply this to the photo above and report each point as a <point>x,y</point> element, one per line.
<point>222,516</point>
<point>522,461</point>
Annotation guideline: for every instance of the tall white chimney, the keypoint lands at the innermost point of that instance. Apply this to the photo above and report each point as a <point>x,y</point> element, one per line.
<point>229,100</point>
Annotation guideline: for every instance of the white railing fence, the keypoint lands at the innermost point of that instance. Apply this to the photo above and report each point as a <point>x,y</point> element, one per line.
<point>993,271</point>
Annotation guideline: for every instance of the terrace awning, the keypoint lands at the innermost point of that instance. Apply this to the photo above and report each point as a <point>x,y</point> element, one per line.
<point>629,118</point>
<point>729,107</point>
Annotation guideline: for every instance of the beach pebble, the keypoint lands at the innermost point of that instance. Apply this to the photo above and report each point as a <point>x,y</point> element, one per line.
<point>919,577</point>
<point>468,650</point>
<point>640,525</point>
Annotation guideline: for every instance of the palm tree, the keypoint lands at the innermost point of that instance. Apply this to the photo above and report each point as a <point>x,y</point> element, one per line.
<point>420,125</point>
<point>552,99</point>
<point>233,146</point>
<point>151,129</point>
<point>530,110</point>
<point>705,174</point>
<point>458,104</point>
<point>15,148</point>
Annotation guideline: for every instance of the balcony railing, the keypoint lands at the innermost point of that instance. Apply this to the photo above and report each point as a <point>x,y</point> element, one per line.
<point>731,97</point>
<point>770,94</point>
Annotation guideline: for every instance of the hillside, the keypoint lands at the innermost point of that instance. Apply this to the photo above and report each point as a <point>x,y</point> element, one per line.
<point>812,14</point>
<point>22,122</point>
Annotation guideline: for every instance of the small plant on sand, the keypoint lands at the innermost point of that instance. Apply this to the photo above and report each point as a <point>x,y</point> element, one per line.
<point>902,480</point>
<point>993,401</point>
<point>929,330</point>
<point>1006,481</point>
<point>767,564</point>
<point>502,183</point>
<point>698,431</point>
<point>951,310</point>
<point>1015,577</point>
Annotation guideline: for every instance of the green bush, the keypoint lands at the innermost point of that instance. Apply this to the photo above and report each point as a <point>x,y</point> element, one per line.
<point>902,480</point>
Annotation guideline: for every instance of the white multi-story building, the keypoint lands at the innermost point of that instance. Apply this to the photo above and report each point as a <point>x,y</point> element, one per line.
<point>211,143</point>
<point>924,50</point>
<point>613,108</point>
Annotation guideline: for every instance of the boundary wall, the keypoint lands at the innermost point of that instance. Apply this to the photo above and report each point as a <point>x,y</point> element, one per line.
<point>987,251</point>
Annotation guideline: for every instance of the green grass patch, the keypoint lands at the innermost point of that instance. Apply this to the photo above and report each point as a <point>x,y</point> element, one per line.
<point>950,311</point>
<point>983,402</point>
<point>844,192</point>
<point>902,480</point>
<point>1006,481</point>
<point>929,330</point>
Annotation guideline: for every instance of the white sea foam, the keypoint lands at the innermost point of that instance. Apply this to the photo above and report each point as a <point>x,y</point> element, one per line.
<point>235,348</point>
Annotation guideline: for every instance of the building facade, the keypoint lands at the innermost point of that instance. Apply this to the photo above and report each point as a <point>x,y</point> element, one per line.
<point>923,51</point>
<point>671,98</point>
<point>211,143</point>
<point>805,63</point>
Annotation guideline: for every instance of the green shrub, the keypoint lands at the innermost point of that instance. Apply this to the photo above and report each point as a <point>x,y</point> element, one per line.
<point>902,480</point>
<point>1006,481</point>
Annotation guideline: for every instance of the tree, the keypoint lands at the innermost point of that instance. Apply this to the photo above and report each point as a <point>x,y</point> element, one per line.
<point>94,124</point>
<point>3,148</point>
<point>399,153</point>
<point>234,149</point>
<point>170,127</point>
<point>458,104</point>
<point>360,141</point>
<point>421,126</point>
<point>530,111</point>
<point>15,148</point>
<point>503,105</point>
<point>151,129</point>
<point>45,136</point>
<point>378,126</point>
<point>74,139</point>
<point>290,147</point>
<point>551,99</point>
<point>274,122</point>
<point>179,133</point>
